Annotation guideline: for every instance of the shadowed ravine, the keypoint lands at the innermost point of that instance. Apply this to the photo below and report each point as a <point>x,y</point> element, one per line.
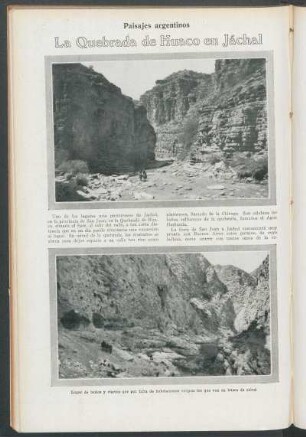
<point>209,127</point>
<point>161,315</point>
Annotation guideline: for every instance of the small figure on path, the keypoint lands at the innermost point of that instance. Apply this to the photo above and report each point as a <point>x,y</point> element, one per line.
<point>143,175</point>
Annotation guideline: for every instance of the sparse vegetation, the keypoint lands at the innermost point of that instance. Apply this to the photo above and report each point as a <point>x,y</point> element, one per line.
<point>250,167</point>
<point>214,159</point>
<point>188,135</point>
<point>67,191</point>
<point>76,177</point>
<point>61,155</point>
<point>81,180</point>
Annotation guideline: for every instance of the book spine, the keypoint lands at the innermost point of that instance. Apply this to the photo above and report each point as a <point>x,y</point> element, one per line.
<point>13,301</point>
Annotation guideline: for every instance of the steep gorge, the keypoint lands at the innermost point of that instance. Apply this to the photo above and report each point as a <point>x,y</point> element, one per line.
<point>211,125</point>
<point>167,314</point>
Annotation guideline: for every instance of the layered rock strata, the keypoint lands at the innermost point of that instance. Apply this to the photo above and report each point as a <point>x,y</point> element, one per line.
<point>198,115</point>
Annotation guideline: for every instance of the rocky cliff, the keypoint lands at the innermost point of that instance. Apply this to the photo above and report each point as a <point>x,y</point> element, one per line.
<point>161,315</point>
<point>197,116</point>
<point>173,96</point>
<point>95,123</point>
<point>168,292</point>
<point>249,294</point>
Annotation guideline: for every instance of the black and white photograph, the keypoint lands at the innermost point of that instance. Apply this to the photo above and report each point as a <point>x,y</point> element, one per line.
<point>161,130</point>
<point>164,315</point>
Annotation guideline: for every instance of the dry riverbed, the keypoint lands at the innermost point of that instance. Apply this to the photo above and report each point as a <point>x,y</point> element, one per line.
<point>177,181</point>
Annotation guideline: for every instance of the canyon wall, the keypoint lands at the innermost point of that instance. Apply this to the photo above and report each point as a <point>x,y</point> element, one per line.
<point>169,292</point>
<point>249,294</point>
<point>95,123</point>
<point>197,115</point>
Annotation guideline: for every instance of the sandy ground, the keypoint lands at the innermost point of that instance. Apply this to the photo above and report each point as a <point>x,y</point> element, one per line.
<point>177,181</point>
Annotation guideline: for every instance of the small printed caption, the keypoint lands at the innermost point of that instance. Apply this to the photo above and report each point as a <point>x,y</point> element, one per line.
<point>158,391</point>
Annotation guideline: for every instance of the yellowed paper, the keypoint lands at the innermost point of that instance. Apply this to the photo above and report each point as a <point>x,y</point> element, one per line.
<point>236,220</point>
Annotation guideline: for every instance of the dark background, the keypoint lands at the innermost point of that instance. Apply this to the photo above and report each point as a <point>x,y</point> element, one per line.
<point>5,429</point>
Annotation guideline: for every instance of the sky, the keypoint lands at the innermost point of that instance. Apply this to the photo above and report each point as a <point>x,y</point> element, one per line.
<point>136,77</point>
<point>247,261</point>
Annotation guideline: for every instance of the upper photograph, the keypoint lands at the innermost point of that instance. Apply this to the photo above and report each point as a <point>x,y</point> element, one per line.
<point>160,130</point>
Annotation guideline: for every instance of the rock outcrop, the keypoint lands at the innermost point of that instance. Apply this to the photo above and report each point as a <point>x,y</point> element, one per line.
<point>95,123</point>
<point>161,315</point>
<point>249,294</point>
<point>173,96</point>
<point>197,116</point>
<point>168,292</point>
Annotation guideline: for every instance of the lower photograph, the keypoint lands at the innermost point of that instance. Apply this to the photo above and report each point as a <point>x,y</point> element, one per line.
<point>168,314</point>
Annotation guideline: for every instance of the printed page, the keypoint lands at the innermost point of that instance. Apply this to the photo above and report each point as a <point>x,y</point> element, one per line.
<point>151,218</point>
<point>299,191</point>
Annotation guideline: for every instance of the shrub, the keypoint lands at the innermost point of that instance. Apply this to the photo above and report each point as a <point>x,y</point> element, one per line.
<point>260,171</point>
<point>73,166</point>
<point>213,159</point>
<point>67,191</point>
<point>97,320</point>
<point>248,167</point>
<point>188,135</point>
<point>81,179</point>
<point>60,156</point>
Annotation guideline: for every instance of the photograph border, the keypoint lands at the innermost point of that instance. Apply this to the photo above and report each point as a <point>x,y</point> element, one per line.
<point>270,200</point>
<point>247,379</point>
